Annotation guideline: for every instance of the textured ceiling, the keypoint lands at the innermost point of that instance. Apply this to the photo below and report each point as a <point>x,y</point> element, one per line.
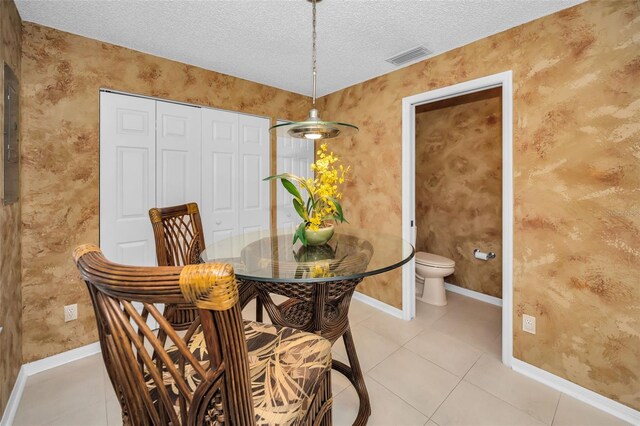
<point>269,41</point>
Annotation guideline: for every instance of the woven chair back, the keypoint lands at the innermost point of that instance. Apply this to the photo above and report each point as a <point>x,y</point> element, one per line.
<point>158,377</point>
<point>178,234</point>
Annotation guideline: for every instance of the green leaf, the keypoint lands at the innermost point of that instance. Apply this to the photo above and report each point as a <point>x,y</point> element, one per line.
<point>335,217</point>
<point>280,176</point>
<point>340,216</point>
<point>294,178</point>
<point>300,235</point>
<point>291,188</point>
<point>311,205</point>
<point>300,209</point>
<point>299,180</point>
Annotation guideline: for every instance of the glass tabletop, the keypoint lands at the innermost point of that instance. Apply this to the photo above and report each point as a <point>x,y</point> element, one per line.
<point>270,256</point>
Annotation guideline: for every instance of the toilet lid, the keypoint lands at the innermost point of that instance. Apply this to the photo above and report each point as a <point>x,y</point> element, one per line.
<point>429,259</point>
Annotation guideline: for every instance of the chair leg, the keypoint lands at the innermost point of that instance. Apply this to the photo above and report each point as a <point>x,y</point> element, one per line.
<point>258,309</point>
<point>319,413</point>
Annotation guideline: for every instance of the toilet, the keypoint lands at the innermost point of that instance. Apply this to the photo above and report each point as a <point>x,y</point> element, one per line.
<point>430,271</point>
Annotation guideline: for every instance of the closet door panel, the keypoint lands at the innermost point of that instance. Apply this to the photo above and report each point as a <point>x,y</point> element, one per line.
<point>127,178</point>
<point>220,186</point>
<point>178,130</point>
<point>254,166</point>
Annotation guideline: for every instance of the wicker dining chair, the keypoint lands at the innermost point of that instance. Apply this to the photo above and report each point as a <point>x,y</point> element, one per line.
<point>222,371</point>
<point>179,238</point>
<point>179,241</point>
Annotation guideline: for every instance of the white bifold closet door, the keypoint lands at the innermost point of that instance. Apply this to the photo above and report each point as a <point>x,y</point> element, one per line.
<point>158,154</point>
<point>178,145</point>
<point>127,178</point>
<point>235,159</point>
<point>294,156</point>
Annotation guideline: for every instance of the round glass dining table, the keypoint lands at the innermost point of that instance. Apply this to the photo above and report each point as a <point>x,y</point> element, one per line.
<point>318,282</point>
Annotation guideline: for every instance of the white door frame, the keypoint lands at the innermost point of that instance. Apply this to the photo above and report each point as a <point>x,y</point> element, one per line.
<point>504,80</point>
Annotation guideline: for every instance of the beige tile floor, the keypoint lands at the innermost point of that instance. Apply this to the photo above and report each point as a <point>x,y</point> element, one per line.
<point>442,369</point>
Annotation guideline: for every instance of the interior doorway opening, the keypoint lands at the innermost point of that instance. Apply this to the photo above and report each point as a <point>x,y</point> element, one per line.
<point>480,92</point>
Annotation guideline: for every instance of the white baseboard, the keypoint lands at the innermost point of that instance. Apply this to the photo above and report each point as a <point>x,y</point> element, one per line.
<point>585,395</point>
<point>473,294</point>
<point>387,309</point>
<point>53,361</point>
<point>14,399</point>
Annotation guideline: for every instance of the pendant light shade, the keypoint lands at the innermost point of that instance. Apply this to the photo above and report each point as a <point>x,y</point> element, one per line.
<point>314,128</point>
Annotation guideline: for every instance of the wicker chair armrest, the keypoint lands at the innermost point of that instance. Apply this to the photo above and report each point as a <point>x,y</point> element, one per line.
<point>209,286</point>
<point>140,283</point>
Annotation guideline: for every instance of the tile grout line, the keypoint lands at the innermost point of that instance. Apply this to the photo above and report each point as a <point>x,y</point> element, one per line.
<point>506,402</point>
<point>392,392</point>
<point>461,378</point>
<point>446,397</point>
<point>553,419</point>
<point>344,388</point>
<point>403,346</point>
<point>503,400</point>
<point>456,386</point>
<point>482,352</point>
<point>399,344</point>
<point>401,399</point>
<point>364,373</point>
<point>474,364</point>
<point>383,360</point>
<point>444,368</point>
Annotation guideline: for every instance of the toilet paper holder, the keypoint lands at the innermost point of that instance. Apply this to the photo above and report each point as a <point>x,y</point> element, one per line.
<point>483,256</point>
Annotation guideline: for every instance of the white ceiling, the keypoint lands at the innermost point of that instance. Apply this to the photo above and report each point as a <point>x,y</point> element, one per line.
<point>269,41</point>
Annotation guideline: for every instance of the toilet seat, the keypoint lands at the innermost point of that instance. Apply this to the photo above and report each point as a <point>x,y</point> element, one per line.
<point>433,260</point>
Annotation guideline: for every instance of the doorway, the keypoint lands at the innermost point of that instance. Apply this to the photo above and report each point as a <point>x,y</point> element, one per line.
<point>502,81</point>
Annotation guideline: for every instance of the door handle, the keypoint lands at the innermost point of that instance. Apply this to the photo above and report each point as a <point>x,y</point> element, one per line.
<point>218,221</point>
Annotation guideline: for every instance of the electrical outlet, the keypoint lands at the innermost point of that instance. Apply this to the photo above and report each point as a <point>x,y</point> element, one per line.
<point>70,312</point>
<point>529,323</point>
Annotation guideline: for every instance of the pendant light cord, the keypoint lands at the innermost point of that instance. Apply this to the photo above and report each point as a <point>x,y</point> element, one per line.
<point>314,53</point>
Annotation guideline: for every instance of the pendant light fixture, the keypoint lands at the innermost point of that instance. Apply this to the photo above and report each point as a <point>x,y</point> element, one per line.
<point>314,127</point>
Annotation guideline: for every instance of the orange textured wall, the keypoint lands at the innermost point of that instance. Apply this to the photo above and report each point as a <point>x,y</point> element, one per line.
<point>459,186</point>
<point>576,129</point>
<point>62,74</point>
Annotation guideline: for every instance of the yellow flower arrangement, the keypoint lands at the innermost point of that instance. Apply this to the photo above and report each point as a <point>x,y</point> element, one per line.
<point>321,270</point>
<point>322,205</point>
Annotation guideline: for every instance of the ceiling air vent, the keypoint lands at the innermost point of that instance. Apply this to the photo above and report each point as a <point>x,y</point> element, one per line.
<point>409,56</point>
